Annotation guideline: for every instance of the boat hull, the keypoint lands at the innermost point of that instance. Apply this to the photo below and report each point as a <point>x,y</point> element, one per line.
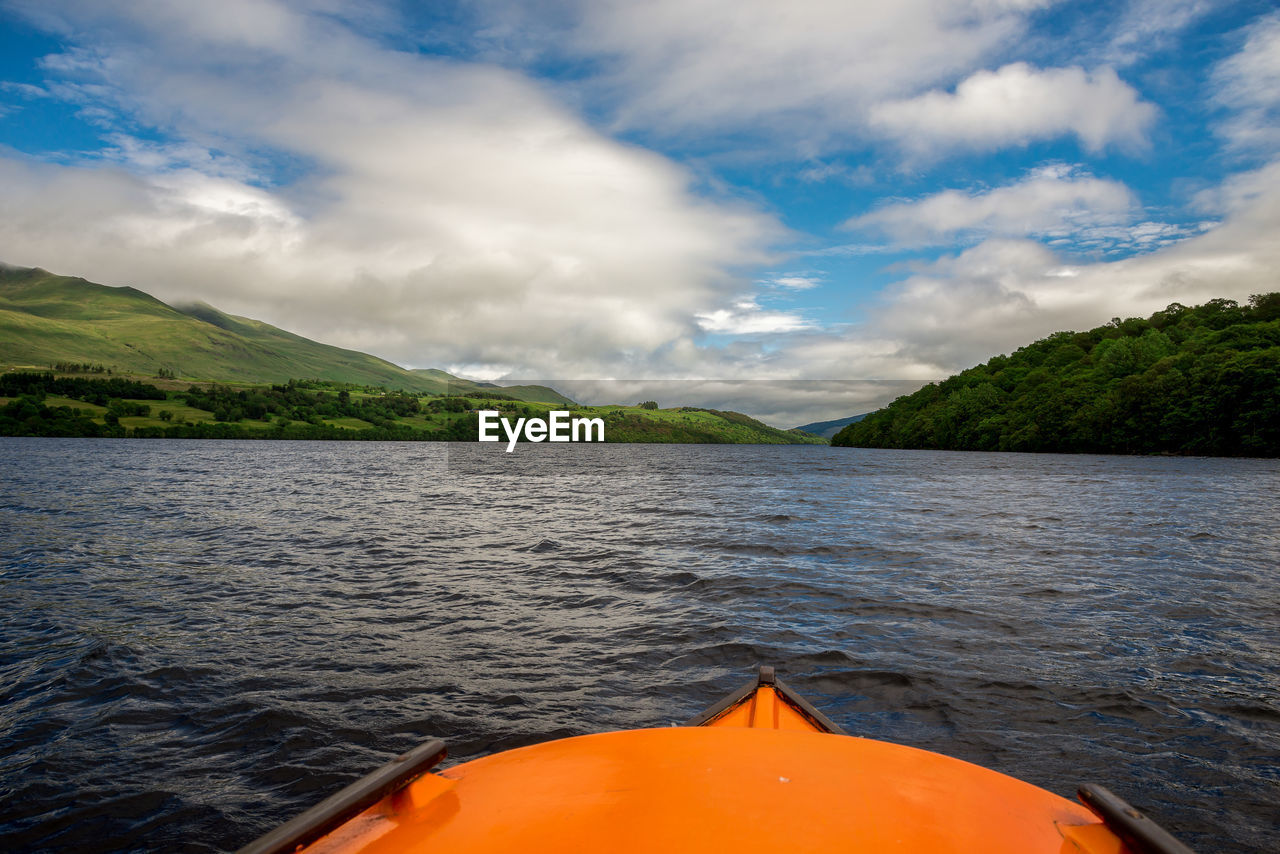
<point>718,789</point>
<point>761,769</point>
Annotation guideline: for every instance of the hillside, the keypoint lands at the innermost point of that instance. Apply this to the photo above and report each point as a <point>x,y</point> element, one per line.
<point>692,425</point>
<point>46,320</point>
<point>828,429</point>
<point>43,404</point>
<point>454,385</point>
<point>1203,380</point>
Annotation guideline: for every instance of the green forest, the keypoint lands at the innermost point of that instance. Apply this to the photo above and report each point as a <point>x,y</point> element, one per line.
<point>49,404</point>
<point>44,404</point>
<point>1195,381</point>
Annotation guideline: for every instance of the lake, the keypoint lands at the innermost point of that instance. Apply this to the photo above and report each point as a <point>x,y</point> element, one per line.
<point>202,638</point>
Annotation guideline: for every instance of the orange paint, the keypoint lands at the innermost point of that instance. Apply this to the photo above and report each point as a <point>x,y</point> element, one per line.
<point>764,710</point>
<point>760,775</point>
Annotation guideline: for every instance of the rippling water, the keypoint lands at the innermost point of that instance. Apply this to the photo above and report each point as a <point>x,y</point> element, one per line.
<point>202,638</point>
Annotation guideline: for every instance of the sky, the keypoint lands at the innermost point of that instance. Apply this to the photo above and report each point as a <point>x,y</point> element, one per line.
<point>818,203</point>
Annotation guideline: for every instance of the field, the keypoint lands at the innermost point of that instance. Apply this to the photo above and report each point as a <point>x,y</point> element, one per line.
<point>46,404</point>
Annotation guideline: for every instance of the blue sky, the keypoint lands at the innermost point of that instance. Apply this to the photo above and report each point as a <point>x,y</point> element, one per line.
<point>674,189</point>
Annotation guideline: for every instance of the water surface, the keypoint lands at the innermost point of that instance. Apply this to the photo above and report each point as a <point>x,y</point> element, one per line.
<point>202,638</point>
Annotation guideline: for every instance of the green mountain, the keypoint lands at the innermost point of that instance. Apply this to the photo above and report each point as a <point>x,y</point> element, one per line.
<point>46,320</point>
<point>1203,380</point>
<point>827,429</point>
<point>455,386</point>
<point>692,425</point>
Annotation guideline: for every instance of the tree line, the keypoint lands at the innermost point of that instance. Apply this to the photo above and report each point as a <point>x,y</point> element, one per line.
<point>294,401</point>
<point>1203,380</point>
<point>96,391</point>
<point>294,410</point>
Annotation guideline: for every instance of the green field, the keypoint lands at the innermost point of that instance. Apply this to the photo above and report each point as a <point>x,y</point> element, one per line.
<point>348,423</point>
<point>88,408</point>
<point>44,404</point>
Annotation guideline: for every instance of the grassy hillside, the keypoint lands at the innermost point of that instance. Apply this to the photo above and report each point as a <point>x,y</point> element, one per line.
<point>42,404</point>
<point>452,385</point>
<point>46,319</point>
<point>691,425</point>
<point>1203,380</point>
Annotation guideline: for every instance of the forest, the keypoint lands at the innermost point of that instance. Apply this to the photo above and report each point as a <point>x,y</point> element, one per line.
<point>1197,381</point>
<point>44,404</point>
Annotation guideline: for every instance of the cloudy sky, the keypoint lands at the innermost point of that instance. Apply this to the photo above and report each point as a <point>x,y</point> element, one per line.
<point>816,190</point>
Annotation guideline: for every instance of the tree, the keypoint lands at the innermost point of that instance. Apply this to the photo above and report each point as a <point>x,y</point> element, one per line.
<point>1203,380</point>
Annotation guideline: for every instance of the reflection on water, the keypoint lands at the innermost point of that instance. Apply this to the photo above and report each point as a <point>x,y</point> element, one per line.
<point>202,638</point>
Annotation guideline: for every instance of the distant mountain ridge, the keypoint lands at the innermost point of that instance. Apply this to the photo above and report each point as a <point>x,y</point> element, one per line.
<point>47,319</point>
<point>827,429</point>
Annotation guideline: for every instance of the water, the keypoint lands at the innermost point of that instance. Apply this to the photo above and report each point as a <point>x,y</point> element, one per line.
<point>200,639</point>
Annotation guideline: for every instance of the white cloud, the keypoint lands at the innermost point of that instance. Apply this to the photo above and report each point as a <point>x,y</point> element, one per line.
<point>1148,26</point>
<point>1053,200</point>
<point>1018,104</point>
<point>795,281</point>
<point>818,173</point>
<point>1128,237</point>
<point>146,156</point>
<point>447,213</point>
<point>746,317</point>
<point>780,403</point>
<point>848,250</point>
<point>26,90</point>
<point>1248,84</point>
<point>805,70</point>
<point>965,308</point>
<point>1003,294</point>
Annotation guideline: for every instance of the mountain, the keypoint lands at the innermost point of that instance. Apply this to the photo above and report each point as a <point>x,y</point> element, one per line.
<point>47,319</point>
<point>455,386</point>
<point>827,429</point>
<point>1202,380</point>
<point>693,425</point>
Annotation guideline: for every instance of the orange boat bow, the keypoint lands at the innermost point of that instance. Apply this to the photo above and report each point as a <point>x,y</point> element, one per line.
<point>762,770</point>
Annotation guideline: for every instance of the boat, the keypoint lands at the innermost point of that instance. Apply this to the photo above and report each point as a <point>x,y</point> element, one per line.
<point>761,770</point>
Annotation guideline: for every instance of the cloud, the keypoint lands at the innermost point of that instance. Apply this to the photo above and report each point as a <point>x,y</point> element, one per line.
<point>965,308</point>
<point>151,157</point>
<point>818,173</point>
<point>795,281</point>
<point>427,210</point>
<point>25,90</point>
<point>1018,104</point>
<point>1004,293</point>
<point>1248,85</point>
<point>748,318</point>
<point>805,71</point>
<point>1148,26</point>
<point>780,403</point>
<point>848,250</point>
<point>1053,200</point>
